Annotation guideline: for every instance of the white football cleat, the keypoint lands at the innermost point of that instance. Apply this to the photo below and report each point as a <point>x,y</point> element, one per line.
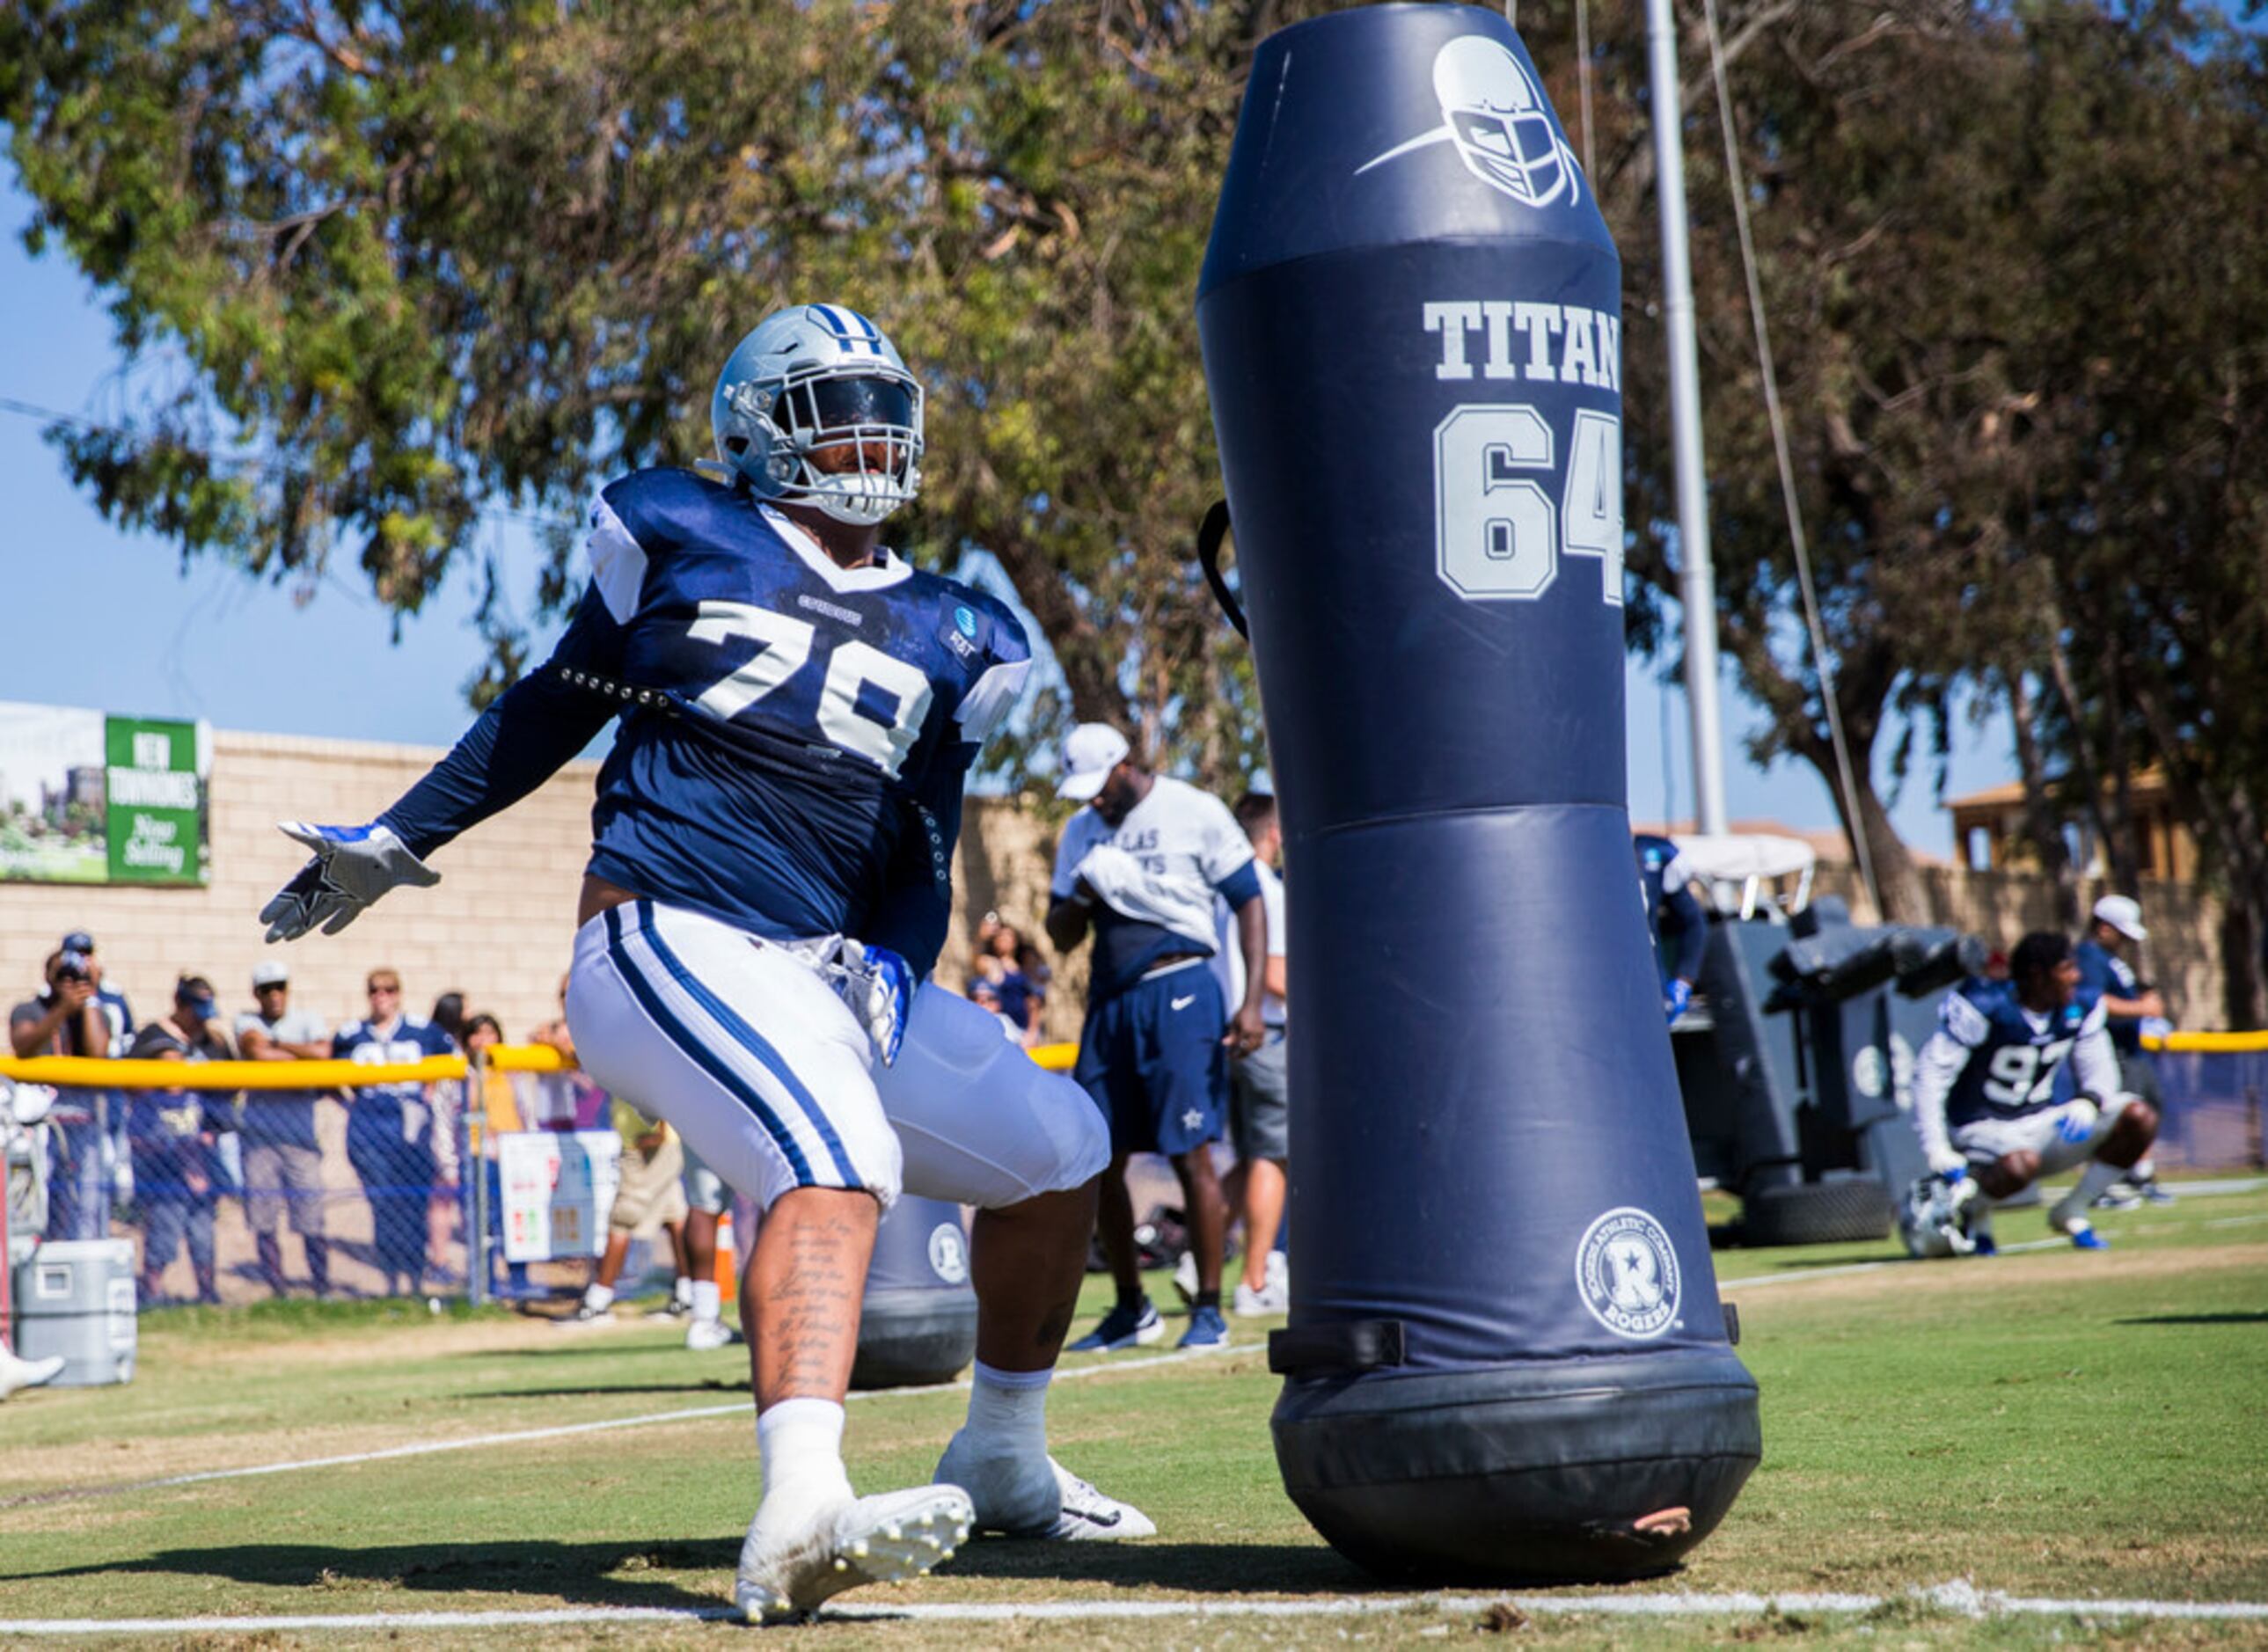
<point>18,1373</point>
<point>1019,1496</point>
<point>1269,1299</point>
<point>1088,1516</point>
<point>705,1336</point>
<point>883,1540</point>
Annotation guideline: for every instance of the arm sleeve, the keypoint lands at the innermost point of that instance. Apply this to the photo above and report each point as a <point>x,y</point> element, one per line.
<point>1936,1066</point>
<point>520,742</point>
<point>1241,887</point>
<point>1960,1028</point>
<point>2094,1062</point>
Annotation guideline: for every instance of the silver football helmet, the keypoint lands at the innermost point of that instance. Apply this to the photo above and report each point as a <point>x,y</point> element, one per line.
<point>820,379</point>
<point>1934,1220</point>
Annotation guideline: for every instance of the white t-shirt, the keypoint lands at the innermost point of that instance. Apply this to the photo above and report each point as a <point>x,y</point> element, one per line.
<point>1228,959</point>
<point>1158,873</point>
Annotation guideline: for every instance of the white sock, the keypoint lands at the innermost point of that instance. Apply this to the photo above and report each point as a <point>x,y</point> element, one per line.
<point>1008,1411</point>
<point>705,1300</point>
<point>682,1291</point>
<point>2144,1172</point>
<point>2070,1210</point>
<point>801,1442</point>
<point>598,1297</point>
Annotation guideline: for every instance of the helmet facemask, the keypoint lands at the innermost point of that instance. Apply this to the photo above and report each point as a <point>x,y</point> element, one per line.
<point>816,409</point>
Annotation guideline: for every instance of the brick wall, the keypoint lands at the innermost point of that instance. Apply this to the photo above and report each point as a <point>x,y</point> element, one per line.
<point>496,928</point>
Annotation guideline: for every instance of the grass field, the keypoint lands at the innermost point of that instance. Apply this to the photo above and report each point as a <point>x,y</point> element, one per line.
<point>2044,1425</point>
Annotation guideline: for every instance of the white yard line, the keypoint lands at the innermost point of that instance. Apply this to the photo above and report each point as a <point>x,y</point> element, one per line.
<point>520,1436</point>
<point>1958,1598</point>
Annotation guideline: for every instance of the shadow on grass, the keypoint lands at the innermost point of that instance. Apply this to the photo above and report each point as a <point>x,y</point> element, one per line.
<point>579,1573</point>
<point>2198,1319</point>
<point>1211,1568</point>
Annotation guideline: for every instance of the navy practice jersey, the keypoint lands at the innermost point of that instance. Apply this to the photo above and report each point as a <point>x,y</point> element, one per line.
<point>2010,1056</point>
<point>1673,917</point>
<point>795,766</point>
<point>407,1039</point>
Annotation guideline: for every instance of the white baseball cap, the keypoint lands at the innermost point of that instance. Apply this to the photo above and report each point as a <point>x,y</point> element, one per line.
<point>1090,752</point>
<point>270,973</point>
<point>2124,915</point>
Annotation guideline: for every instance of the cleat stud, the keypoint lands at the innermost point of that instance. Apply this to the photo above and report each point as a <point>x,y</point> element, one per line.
<point>859,1548</point>
<point>841,1565</point>
<point>893,1531</point>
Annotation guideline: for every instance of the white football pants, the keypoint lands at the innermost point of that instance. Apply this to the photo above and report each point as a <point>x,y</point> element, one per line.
<point>745,1048</point>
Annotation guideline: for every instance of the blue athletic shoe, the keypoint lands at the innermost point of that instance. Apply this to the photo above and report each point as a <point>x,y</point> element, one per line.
<point>1123,1328</point>
<point>1207,1330</point>
<point>2088,1240</point>
<point>1986,1244</point>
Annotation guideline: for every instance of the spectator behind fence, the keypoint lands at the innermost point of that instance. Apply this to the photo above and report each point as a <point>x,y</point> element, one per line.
<point>2114,935</point>
<point>390,1130</point>
<point>282,1161</point>
<point>1010,966</point>
<point>496,1106</point>
<point>568,1101</point>
<point>120,1014</point>
<point>648,1201</point>
<point>68,1018</point>
<point>173,1133</point>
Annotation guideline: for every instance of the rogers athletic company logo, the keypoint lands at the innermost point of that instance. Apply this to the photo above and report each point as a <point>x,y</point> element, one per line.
<point>948,1252</point>
<point>1627,1272</point>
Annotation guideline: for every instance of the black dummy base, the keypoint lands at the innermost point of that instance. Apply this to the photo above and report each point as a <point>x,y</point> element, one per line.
<point>1579,1471</point>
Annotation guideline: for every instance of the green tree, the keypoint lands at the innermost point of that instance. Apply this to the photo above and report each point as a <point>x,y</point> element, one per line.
<point>425,261</point>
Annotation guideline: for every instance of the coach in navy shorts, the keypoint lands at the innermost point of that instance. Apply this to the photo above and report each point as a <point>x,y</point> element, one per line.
<point>1141,864</point>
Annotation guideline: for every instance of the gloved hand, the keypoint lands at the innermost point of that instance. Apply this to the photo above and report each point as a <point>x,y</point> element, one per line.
<point>1948,1165</point>
<point>2079,1119</point>
<point>878,986</point>
<point>353,867</point>
<point>1676,996</point>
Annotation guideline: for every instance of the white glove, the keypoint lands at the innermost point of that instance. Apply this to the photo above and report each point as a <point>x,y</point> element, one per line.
<point>353,867</point>
<point>878,986</point>
<point>1948,1162</point>
<point>2079,1119</point>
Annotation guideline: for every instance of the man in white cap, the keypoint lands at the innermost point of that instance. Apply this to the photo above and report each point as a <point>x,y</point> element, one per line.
<point>1141,864</point>
<point>2114,929</point>
<point>282,1161</point>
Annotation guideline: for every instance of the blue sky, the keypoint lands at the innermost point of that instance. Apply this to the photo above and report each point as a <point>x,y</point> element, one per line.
<point>98,618</point>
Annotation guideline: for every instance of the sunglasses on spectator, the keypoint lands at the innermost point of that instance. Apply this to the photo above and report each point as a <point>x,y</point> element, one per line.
<point>374,988</point>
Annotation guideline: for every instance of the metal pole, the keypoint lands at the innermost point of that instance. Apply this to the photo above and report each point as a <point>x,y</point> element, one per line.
<point>474,1121</point>
<point>1699,580</point>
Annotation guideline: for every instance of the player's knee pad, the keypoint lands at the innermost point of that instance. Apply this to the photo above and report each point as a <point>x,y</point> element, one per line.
<point>980,1122</point>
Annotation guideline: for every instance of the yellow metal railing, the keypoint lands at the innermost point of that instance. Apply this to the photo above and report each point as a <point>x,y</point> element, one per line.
<point>74,1072</point>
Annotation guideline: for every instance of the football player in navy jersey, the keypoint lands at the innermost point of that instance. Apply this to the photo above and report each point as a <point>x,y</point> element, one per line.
<point>1674,918</point>
<point>1984,1096</point>
<point>800,707</point>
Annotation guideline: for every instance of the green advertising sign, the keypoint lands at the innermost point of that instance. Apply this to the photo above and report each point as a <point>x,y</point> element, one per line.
<point>157,802</point>
<point>87,798</point>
